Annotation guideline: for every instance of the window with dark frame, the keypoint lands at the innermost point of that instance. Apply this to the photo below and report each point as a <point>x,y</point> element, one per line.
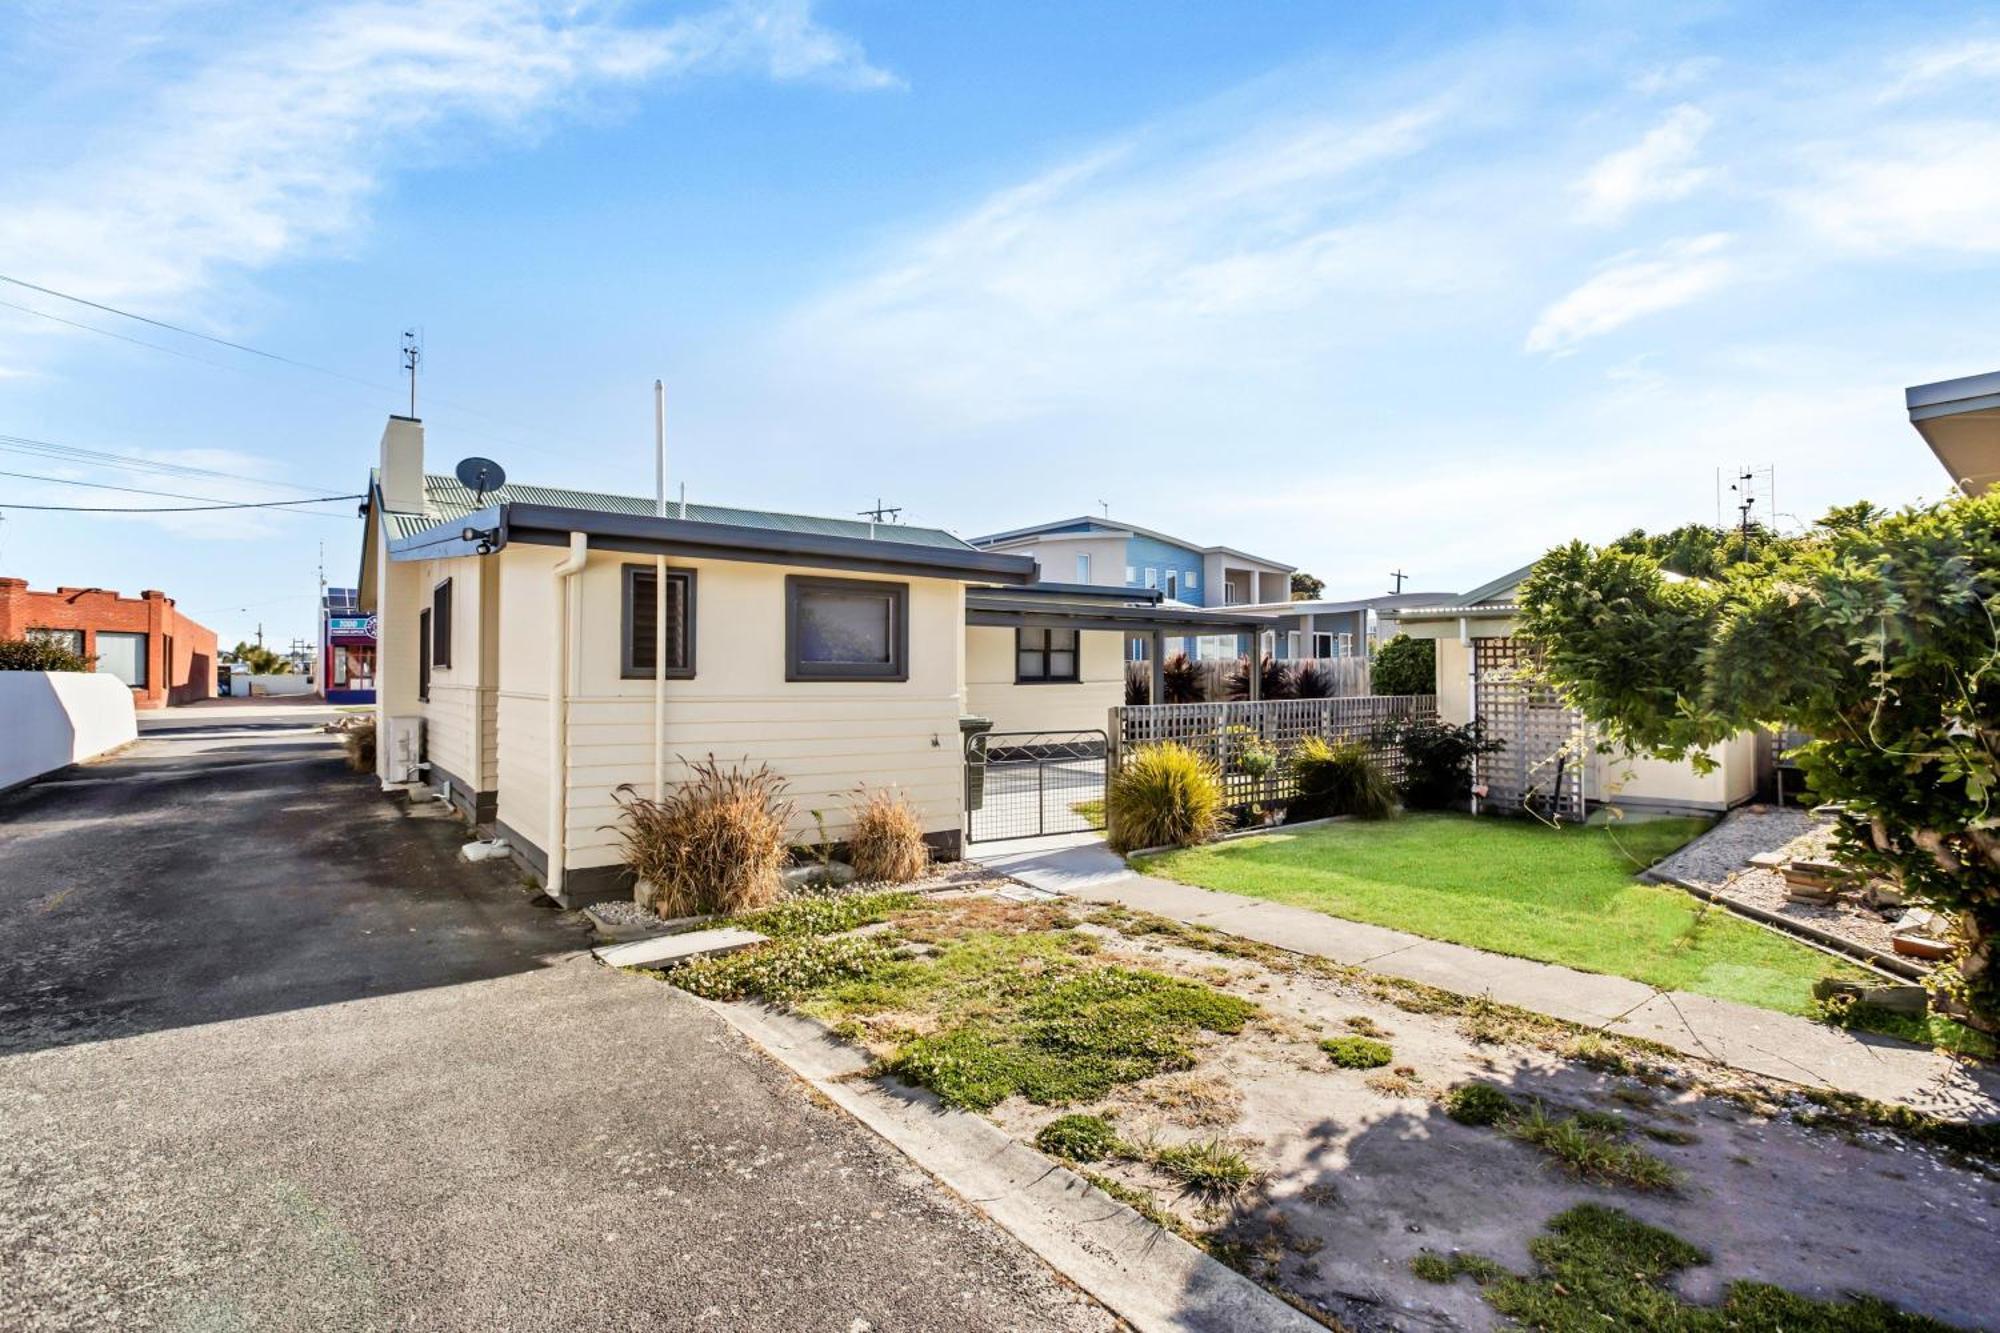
<point>441,624</point>
<point>640,635</point>
<point>1045,656</point>
<point>846,629</point>
<point>424,656</point>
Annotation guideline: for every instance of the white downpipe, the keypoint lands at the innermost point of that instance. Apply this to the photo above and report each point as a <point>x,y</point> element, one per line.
<point>1471,694</point>
<point>659,677</point>
<point>579,552</point>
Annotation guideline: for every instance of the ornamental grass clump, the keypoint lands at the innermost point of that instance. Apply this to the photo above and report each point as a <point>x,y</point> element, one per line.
<point>1338,778</point>
<point>715,843</point>
<point>885,843</point>
<point>1164,796</point>
<point>360,742</point>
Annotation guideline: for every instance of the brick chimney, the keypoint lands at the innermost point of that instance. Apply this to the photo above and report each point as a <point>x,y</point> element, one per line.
<point>402,470</point>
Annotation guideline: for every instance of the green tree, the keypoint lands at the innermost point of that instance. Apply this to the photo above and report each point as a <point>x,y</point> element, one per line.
<point>1305,587</point>
<point>1875,633</point>
<point>1404,666</point>
<point>262,661</point>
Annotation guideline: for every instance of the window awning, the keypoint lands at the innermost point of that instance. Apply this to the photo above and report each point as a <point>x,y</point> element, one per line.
<point>1073,606</point>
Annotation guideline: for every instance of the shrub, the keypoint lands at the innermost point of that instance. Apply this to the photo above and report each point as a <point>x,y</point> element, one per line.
<point>1164,795</point>
<point>1404,666</point>
<point>886,840</point>
<point>715,844</point>
<point>1183,680</point>
<point>1138,683</point>
<point>1437,762</point>
<point>360,742</point>
<point>1274,680</point>
<point>1078,1138</point>
<point>1477,1104</point>
<point>1312,681</point>
<point>1358,1052</point>
<point>40,655</point>
<point>1338,778</point>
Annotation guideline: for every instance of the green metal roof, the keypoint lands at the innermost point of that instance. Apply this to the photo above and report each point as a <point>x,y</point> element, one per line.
<point>448,501</point>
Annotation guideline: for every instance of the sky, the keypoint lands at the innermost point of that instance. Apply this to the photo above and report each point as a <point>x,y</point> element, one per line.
<point>1356,287</point>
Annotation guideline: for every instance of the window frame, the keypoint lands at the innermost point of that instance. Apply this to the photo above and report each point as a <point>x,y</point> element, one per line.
<point>1322,639</point>
<point>1083,567</point>
<point>1193,580</point>
<point>894,671</point>
<point>628,668</point>
<point>424,656</point>
<point>1152,576</point>
<point>1047,650</point>
<point>441,600</point>
<point>1173,586</point>
<point>36,634</point>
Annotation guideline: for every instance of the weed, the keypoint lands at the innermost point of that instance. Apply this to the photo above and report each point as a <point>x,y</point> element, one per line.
<point>1358,1052</point>
<point>1598,1052</point>
<point>1845,1110</point>
<point>1193,1099</point>
<point>1679,1138</point>
<point>1477,1104</point>
<point>1597,1268</point>
<point>1602,1122</point>
<point>1590,1153</point>
<point>1638,1098</point>
<point>1209,1166</point>
<point>1078,1138</point>
<point>1442,1268</point>
<point>825,916</point>
<point>1144,1204</point>
<point>1363,1025</point>
<point>1401,1081</point>
<point>783,968</point>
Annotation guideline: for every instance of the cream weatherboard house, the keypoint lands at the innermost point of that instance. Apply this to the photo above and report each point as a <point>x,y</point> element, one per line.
<point>539,648</point>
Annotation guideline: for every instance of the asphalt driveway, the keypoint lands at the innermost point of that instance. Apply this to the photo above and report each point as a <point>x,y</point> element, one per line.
<point>271,1057</point>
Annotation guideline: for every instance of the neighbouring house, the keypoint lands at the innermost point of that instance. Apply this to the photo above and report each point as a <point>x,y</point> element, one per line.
<point>1331,630</point>
<point>346,667</point>
<point>161,655</point>
<point>1550,757</point>
<point>539,648</point>
<point>1104,552</point>
<point>1960,420</point>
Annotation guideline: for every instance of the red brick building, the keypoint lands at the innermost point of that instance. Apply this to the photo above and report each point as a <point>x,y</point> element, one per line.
<point>165,657</point>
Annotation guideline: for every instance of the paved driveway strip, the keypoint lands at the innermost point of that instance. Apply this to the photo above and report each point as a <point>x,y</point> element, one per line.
<point>275,1059</point>
<point>1760,1041</point>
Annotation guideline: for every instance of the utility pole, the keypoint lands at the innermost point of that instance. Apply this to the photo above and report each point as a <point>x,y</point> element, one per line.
<point>413,353</point>
<point>260,634</point>
<point>1399,576</point>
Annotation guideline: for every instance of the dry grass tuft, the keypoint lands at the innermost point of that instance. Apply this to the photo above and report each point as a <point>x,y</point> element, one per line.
<point>716,843</point>
<point>1196,1100</point>
<point>360,742</point>
<point>886,841</point>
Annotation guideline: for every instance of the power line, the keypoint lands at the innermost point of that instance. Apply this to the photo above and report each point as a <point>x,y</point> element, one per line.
<point>184,509</point>
<point>136,342</point>
<point>22,444</point>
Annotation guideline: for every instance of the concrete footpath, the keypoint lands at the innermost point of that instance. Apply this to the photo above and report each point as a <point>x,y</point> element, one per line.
<point>1759,1041</point>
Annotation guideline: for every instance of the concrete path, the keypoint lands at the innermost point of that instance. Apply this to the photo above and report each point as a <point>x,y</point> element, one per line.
<point>272,1057</point>
<point>1742,1036</point>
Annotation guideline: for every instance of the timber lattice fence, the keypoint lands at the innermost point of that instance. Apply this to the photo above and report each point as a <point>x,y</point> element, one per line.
<point>1223,732</point>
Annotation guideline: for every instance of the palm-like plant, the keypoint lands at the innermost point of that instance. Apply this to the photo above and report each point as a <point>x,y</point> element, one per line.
<point>1274,680</point>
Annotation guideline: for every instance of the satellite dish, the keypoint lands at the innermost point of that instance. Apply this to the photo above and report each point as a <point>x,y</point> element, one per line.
<point>480,475</point>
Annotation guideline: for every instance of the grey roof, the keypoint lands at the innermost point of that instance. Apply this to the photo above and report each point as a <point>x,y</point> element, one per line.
<point>1387,601</point>
<point>448,501</point>
<point>1107,527</point>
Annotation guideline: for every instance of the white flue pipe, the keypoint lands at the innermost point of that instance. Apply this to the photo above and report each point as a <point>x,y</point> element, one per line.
<point>659,449</point>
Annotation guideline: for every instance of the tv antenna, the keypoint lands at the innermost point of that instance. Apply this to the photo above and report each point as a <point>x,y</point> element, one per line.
<point>1105,505</point>
<point>1399,576</point>
<point>881,513</point>
<point>413,354</point>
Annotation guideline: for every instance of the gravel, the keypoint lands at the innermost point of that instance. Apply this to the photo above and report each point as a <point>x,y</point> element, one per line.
<point>1719,860</point>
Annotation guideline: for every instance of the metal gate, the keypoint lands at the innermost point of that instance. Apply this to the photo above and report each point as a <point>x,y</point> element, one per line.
<point>1023,784</point>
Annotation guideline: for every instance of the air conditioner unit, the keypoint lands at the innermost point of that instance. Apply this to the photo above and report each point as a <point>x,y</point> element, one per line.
<point>406,749</point>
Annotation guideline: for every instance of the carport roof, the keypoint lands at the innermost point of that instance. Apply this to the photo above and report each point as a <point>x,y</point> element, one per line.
<point>1073,606</point>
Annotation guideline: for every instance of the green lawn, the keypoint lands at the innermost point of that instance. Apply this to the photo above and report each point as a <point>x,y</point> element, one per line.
<point>1518,887</point>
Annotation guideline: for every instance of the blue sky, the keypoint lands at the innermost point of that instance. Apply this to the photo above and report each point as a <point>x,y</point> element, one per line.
<point>1356,286</point>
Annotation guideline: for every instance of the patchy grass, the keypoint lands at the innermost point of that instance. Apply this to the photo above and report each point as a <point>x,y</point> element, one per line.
<point>1590,1150</point>
<point>1197,1100</point>
<point>1477,1104</point>
<point>1078,1138</point>
<point>1358,1052</point>
<point>1843,1111</point>
<point>1517,887</point>
<point>1599,1269</point>
<point>1933,1030</point>
<point>1402,1081</point>
<point>783,969</point>
<point>1208,1166</point>
<point>825,916</point>
<point>1442,1268</point>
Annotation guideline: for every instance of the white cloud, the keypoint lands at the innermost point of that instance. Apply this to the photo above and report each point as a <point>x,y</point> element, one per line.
<point>274,146</point>
<point>1923,71</point>
<point>1930,186</point>
<point>1672,78</point>
<point>1660,166</point>
<point>1631,286</point>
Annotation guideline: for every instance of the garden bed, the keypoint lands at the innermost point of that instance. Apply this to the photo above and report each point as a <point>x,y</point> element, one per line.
<point>1241,1096</point>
